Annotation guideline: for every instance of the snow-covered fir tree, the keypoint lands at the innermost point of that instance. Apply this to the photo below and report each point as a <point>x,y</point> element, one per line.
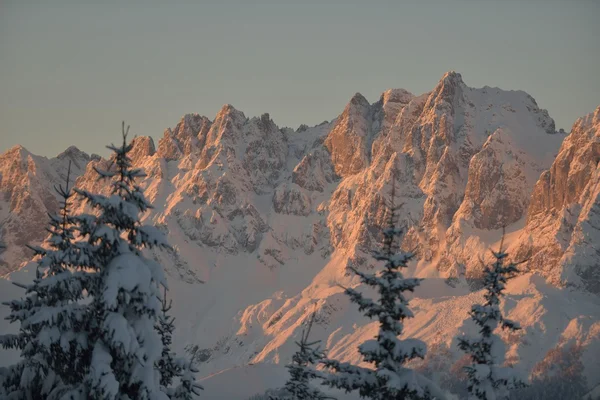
<point>166,365</point>
<point>301,370</point>
<point>488,379</point>
<point>170,367</point>
<point>188,388</point>
<point>125,292</point>
<point>389,378</point>
<point>52,338</point>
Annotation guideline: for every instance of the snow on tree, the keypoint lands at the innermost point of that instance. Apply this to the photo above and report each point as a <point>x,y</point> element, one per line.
<point>171,368</point>
<point>389,378</point>
<point>166,365</point>
<point>298,387</point>
<point>125,291</point>
<point>487,378</point>
<point>188,388</point>
<point>52,338</point>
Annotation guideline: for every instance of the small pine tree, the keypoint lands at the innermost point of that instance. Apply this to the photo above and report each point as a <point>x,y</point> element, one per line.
<point>487,378</point>
<point>125,291</point>
<point>390,378</point>
<point>298,387</point>
<point>188,388</point>
<point>166,365</point>
<point>169,367</point>
<point>52,338</point>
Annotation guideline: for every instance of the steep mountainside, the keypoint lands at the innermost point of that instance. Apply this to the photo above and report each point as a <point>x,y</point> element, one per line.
<point>562,233</point>
<point>27,195</point>
<point>269,218</point>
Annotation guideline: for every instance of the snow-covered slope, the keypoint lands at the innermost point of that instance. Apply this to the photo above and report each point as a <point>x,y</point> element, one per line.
<point>264,221</point>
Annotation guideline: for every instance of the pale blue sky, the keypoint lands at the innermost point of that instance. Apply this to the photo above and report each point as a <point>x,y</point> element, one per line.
<point>70,71</point>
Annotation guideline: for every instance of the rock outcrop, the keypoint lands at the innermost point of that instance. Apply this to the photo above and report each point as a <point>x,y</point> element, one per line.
<point>562,233</point>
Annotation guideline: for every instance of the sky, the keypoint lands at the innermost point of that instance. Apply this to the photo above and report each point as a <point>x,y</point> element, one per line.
<point>71,71</point>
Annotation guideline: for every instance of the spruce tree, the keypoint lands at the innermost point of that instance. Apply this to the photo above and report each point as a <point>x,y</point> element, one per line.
<point>125,292</point>
<point>52,337</point>
<point>166,365</point>
<point>298,385</point>
<point>169,367</point>
<point>487,378</point>
<point>390,378</point>
<point>188,388</point>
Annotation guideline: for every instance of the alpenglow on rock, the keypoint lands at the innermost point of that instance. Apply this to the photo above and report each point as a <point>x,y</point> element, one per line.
<point>283,212</point>
<point>564,212</point>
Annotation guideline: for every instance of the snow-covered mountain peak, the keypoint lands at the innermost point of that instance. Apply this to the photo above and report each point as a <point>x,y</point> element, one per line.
<point>448,90</point>
<point>588,121</point>
<point>401,96</point>
<point>229,111</point>
<point>77,157</point>
<point>26,196</point>
<point>186,138</point>
<point>451,77</point>
<point>72,151</point>
<point>17,152</point>
<point>270,218</point>
<point>143,146</point>
<point>358,100</point>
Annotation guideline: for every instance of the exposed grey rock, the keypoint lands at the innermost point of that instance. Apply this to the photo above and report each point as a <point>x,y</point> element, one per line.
<point>291,199</point>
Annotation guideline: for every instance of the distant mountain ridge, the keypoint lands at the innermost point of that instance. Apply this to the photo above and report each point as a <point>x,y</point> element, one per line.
<point>285,211</point>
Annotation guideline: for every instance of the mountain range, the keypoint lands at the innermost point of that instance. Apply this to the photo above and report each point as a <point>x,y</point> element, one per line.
<point>264,221</point>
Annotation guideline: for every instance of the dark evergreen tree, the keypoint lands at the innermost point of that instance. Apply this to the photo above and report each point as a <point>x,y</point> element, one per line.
<point>390,378</point>
<point>125,292</point>
<point>52,338</point>
<point>301,370</point>
<point>169,366</point>
<point>188,388</point>
<point>166,365</point>
<point>487,378</point>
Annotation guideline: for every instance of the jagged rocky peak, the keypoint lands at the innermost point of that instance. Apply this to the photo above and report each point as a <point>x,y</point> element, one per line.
<point>358,100</point>
<point>572,168</point>
<point>191,125</point>
<point>13,163</point>
<point>227,125</point>
<point>349,141</point>
<point>187,137</point>
<point>401,96</point>
<point>229,111</point>
<point>15,152</point>
<point>142,146</point>
<point>446,91</point>
<point>74,154</point>
<point>169,148</point>
<point>27,193</point>
<point>389,106</point>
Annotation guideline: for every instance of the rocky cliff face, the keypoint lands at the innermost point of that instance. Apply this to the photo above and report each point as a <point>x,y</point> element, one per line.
<point>561,235</point>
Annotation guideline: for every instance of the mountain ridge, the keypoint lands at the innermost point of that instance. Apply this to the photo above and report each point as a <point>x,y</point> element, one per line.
<point>285,211</point>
